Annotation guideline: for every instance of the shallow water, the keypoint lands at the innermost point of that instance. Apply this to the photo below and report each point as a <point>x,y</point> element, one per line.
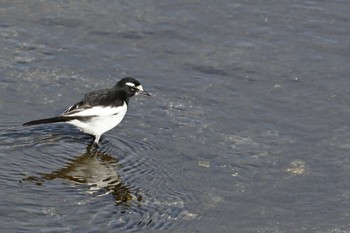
<point>246,130</point>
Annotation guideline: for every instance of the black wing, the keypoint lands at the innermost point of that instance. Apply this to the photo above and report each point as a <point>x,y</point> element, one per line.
<point>104,97</point>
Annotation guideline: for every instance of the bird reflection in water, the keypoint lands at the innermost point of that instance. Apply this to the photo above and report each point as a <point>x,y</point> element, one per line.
<point>99,171</point>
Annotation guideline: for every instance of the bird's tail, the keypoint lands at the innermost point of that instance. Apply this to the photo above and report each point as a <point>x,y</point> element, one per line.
<point>48,120</point>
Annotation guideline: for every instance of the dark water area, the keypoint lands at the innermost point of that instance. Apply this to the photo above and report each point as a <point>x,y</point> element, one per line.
<point>247,129</point>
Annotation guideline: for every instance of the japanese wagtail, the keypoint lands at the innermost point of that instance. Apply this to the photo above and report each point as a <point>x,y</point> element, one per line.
<point>99,111</point>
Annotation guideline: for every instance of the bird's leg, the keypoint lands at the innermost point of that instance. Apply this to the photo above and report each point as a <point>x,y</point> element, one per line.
<point>93,146</point>
<point>97,139</point>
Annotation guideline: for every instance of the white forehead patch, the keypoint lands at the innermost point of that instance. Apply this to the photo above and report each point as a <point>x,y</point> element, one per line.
<point>140,87</point>
<point>130,84</point>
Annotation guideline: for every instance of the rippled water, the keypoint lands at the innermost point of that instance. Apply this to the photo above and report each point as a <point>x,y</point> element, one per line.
<point>120,184</point>
<point>246,130</point>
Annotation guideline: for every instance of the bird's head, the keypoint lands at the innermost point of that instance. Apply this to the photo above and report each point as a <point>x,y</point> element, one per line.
<point>132,86</point>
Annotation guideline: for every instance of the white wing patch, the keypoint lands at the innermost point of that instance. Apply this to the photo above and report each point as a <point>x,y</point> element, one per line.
<point>100,111</point>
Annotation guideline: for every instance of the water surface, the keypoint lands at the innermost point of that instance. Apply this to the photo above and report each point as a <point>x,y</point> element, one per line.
<point>246,130</point>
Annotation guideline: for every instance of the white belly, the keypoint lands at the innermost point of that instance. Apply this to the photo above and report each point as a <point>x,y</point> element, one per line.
<point>103,120</point>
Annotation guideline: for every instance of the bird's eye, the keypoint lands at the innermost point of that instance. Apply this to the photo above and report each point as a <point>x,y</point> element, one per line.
<point>133,89</point>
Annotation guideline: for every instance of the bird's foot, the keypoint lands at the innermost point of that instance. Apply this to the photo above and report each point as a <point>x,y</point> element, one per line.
<point>92,147</point>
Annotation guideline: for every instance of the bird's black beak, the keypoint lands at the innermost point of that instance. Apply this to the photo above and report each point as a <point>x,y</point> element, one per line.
<point>144,93</point>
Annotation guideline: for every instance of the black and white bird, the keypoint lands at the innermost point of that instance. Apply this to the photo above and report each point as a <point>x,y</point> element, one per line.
<point>99,111</point>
